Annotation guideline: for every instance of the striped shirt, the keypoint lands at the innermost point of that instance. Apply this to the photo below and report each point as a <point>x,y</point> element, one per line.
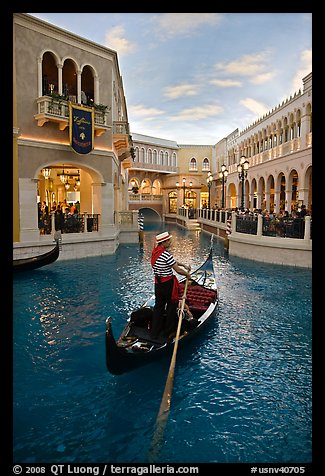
<point>163,265</point>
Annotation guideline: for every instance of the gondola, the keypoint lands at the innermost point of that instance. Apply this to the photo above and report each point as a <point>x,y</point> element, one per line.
<point>34,262</point>
<point>135,347</point>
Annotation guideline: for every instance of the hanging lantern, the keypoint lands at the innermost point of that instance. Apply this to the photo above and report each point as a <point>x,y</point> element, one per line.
<point>64,177</point>
<point>46,172</point>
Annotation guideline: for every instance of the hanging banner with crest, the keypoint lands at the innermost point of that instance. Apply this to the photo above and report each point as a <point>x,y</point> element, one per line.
<point>81,125</point>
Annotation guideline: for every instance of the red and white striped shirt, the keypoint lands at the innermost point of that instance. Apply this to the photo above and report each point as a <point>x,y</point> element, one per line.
<point>164,264</point>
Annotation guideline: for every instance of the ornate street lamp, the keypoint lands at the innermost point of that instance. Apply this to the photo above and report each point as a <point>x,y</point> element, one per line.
<point>184,186</point>
<point>223,176</point>
<point>242,168</point>
<point>209,183</point>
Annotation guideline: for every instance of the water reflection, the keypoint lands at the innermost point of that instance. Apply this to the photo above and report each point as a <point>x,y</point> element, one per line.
<point>242,389</point>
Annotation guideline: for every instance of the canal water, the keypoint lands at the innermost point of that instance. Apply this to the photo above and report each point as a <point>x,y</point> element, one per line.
<point>242,389</point>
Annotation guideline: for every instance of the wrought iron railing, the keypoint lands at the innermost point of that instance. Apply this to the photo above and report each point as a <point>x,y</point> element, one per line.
<point>76,223</point>
<point>246,224</point>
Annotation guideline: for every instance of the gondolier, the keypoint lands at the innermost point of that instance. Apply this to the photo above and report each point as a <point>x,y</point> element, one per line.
<point>136,347</point>
<point>164,321</point>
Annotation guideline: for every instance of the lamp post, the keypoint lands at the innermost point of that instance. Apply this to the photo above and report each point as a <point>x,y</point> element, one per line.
<point>209,183</point>
<point>223,176</point>
<point>184,186</point>
<point>242,168</point>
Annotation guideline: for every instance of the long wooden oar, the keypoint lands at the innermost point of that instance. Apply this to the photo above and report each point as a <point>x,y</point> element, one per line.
<point>166,399</point>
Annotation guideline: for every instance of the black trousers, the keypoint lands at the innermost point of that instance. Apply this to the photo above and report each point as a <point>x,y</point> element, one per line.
<point>164,320</point>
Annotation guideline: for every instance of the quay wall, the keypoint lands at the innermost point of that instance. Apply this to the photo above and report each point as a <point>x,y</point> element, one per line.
<point>267,249</point>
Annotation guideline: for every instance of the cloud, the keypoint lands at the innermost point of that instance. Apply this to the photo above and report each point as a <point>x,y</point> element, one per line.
<point>180,90</point>
<point>247,65</point>
<point>226,83</point>
<point>144,112</point>
<point>262,78</point>
<point>198,113</point>
<point>115,40</point>
<point>305,68</point>
<point>254,106</point>
<point>171,25</point>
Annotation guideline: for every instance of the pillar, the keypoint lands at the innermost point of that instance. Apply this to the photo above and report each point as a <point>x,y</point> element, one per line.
<point>28,209</point>
<point>259,224</point>
<point>307,227</point>
<point>79,86</point>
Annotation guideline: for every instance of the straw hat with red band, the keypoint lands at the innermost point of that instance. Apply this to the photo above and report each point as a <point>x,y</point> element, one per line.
<point>163,237</point>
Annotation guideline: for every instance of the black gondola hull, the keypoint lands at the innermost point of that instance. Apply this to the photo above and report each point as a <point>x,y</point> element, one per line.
<point>120,361</point>
<point>135,347</point>
<point>28,264</point>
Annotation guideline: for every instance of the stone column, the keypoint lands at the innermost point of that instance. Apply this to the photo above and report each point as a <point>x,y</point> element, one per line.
<point>39,77</point>
<point>233,222</point>
<point>277,201</point>
<point>96,89</point>
<point>303,195</point>
<point>52,222</point>
<point>305,127</point>
<point>259,224</point>
<point>307,227</point>
<point>60,66</point>
<point>267,200</point>
<point>79,86</point>
<point>28,210</point>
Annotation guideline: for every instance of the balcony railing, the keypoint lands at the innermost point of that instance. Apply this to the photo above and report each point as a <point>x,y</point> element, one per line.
<point>57,110</point>
<point>121,127</point>
<point>145,197</point>
<point>67,223</point>
<point>154,167</point>
<point>274,152</point>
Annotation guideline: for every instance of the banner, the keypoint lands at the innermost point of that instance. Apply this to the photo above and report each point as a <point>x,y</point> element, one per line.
<point>81,122</point>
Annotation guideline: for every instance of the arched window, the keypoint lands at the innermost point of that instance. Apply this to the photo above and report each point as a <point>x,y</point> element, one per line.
<point>87,86</point>
<point>49,74</point>
<point>149,154</point>
<point>193,164</point>
<point>136,154</point>
<point>134,185</point>
<point>205,164</point>
<point>172,202</point>
<point>69,79</point>
<point>156,187</point>
<point>146,186</point>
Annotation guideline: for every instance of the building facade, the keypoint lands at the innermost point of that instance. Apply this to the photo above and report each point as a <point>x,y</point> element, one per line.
<point>124,173</point>
<point>165,176</point>
<point>278,149</point>
<point>52,70</point>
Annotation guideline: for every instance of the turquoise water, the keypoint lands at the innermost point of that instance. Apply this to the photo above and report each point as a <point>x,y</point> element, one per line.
<point>242,389</point>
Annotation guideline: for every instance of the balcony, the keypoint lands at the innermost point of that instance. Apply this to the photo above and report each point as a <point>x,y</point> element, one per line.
<point>145,197</point>
<point>122,141</point>
<point>57,111</point>
<point>150,167</point>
